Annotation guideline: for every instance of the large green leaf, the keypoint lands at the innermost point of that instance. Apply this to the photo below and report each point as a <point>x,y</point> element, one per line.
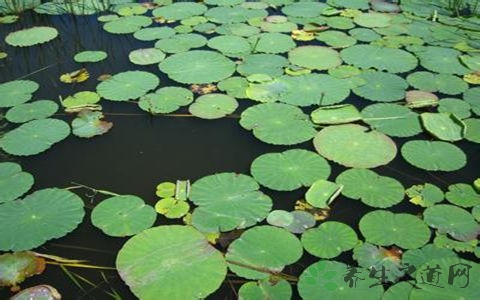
<point>164,262</point>
<point>89,123</point>
<point>353,146</point>
<point>127,85</point>
<point>441,60</point>
<point>455,221</point>
<point>392,119</point>
<point>263,247</point>
<point>264,289</point>
<point>180,10</point>
<point>181,42</point>
<point>41,216</point>
<point>443,83</point>
<point>146,56</point>
<point>166,100</point>
<point>270,64</point>
<point>90,56</point>
<point>123,215</point>
<point>272,42</point>
<point>40,109</point>
<point>472,96</point>
<point>34,137</point>
<point>434,156</point>
<point>13,181</point>
<point>213,106</point>
<point>16,267</point>
<point>31,36</point>
<point>381,86</point>
<point>125,25</point>
<point>289,170</point>
<point>329,239</point>
<point>227,201</point>
<point>463,195</point>
<point>198,66</point>
<point>315,57</point>
<point>278,124</point>
<point>17,92</point>
<point>444,126</point>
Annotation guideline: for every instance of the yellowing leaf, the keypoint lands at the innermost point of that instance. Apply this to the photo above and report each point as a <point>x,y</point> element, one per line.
<point>75,76</point>
<point>302,35</point>
<point>472,78</point>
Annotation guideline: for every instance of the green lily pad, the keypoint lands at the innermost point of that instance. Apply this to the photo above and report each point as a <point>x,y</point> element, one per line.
<point>329,239</point>
<point>472,97</point>
<point>302,221</point>
<point>80,99</point>
<point>417,257</point>
<point>455,221</point>
<point>41,216</point>
<point>326,280</point>
<point>272,42</point>
<point>425,195</point>
<point>88,124</point>
<point>18,266</point>
<point>364,34</point>
<point>304,9</point>
<point>215,195</point>
<point>264,289</point>
<point>154,33</point>
<point>336,39</point>
<point>434,156</point>
<point>235,14</point>
<point>31,36</point>
<point>315,57</point>
<point>230,45</point>
<point>472,132</point>
<point>181,43</point>
<point>181,251</point>
<point>392,119</point>
<point>123,216</point>
<point>444,126</point>
<point>166,100</point>
<point>445,242</point>
<point>322,192</point>
<point>335,114</point>
<point>441,60</point>
<point>127,85</point>
<point>269,64</point>
<point>239,29</point>
<point>444,83</point>
<point>339,22</point>
<point>13,181</point>
<point>378,258</point>
<point>457,107</point>
<point>380,58</point>
<point>34,137</point>
<point>289,170</point>
<point>179,10</point>
<point>90,56</point>
<point>382,87</point>
<point>40,109</point>
<point>353,146</point>
<point>385,228</point>
<point>369,187</point>
<point>280,218</point>
<point>263,247</point>
<point>373,19</point>
<point>125,25</point>
<point>278,124</point>
<point>213,106</point>
<point>172,208</point>
<point>166,189</point>
<point>17,92</point>
<point>203,67</point>
<point>146,56</point>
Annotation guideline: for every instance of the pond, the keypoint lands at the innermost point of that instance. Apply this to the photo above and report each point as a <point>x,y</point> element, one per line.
<point>258,150</point>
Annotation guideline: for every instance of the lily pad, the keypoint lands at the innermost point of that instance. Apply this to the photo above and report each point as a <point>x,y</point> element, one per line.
<point>425,195</point>
<point>369,187</point>
<point>278,124</point>
<point>172,208</point>
<point>353,146</point>
<point>90,56</point>
<point>41,292</point>
<point>88,124</point>
<point>146,56</point>
<point>384,228</point>
<point>289,170</point>
<point>230,45</point>
<point>382,87</point>
<point>457,107</point>
<point>39,217</point>
<point>181,251</point>
<point>302,221</point>
<point>40,109</point>
<point>125,25</point>
<point>336,39</point>
<point>123,216</point>
<point>269,64</point>
<point>335,114</point>
<point>34,137</point>
<point>472,132</point>
<point>31,36</point>
<point>373,19</point>
<point>322,192</point>
<point>154,33</point>
<point>127,85</point>
<point>280,218</point>
<point>264,289</point>
<point>329,239</point>
<point>443,83</point>
<point>181,42</point>
<point>441,60</point>
<point>17,92</point>
<point>304,9</point>
<point>215,195</point>
<point>392,119</point>
<point>455,221</point>
<point>166,100</point>
<point>272,42</point>
<point>315,57</point>
<point>417,257</point>
<point>434,156</point>
<point>235,14</point>
<point>179,10</point>
<point>18,266</point>
<point>213,106</point>
<point>472,96</point>
<point>13,181</point>
<point>380,58</point>
<point>263,247</point>
<point>444,126</point>
<point>197,66</point>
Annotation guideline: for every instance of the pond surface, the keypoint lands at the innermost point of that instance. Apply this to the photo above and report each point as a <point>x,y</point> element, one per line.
<point>142,150</point>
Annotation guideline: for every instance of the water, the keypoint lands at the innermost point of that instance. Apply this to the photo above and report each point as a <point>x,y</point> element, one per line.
<point>141,151</point>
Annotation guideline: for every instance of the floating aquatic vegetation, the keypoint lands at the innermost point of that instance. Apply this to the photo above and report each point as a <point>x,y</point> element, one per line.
<point>18,266</point>
<point>434,156</point>
<point>147,56</point>
<point>17,92</point>
<point>13,181</point>
<point>165,100</point>
<point>89,123</point>
<point>76,76</point>
<point>127,85</point>
<point>37,110</point>
<point>322,193</point>
<point>213,106</point>
<point>43,291</point>
<point>90,56</point>
<point>31,36</point>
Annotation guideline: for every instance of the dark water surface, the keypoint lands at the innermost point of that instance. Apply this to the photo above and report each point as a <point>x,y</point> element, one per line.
<point>140,151</point>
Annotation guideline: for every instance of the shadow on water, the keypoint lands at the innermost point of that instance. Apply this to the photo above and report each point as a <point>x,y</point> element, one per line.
<point>141,151</point>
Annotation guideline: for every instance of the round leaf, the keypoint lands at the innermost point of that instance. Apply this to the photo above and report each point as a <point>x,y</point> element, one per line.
<point>127,85</point>
<point>213,106</point>
<point>434,156</point>
<point>13,181</point>
<point>31,36</point>
<point>329,239</point>
<point>40,109</point>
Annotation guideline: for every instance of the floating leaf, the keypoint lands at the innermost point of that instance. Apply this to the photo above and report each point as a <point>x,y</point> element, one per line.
<point>441,60</point>
<point>444,126</point>
<point>230,45</point>
<point>280,218</point>
<point>127,85</point>
<point>154,33</point>
<point>380,58</point>
<point>90,56</point>
<point>472,132</point>
<point>181,251</point>
<point>381,86</point>
<point>272,42</point>
<point>335,114</point>
<point>17,92</point>
<point>463,195</point>
<point>40,109</point>
<point>434,156</point>
<point>385,228</point>
<point>304,9</point>
<point>88,124</point>
<point>166,189</point>
<point>123,216</point>
<point>417,257</point>
<point>302,220</point>
<point>165,100</point>
<point>203,67</point>
<point>18,266</point>
<point>43,292</point>
<point>336,39</point>
<point>41,216</point>
<point>13,181</point>
<point>125,25</point>
<point>216,194</point>
<point>353,146</point>
<point>373,19</point>
<point>314,57</point>
<point>265,289</point>
<point>146,56</point>
<point>322,192</point>
<point>369,187</point>
<point>179,10</point>
<point>263,248</point>
<point>453,220</point>
<point>34,137</point>
<point>472,97</point>
<point>172,208</point>
<point>329,239</point>
<point>392,119</point>
<point>289,170</point>
<point>278,124</point>
<point>213,106</point>
<point>236,14</point>
<point>31,36</point>
<point>425,195</point>
<point>181,43</point>
<point>457,107</point>
<point>76,76</point>
<point>444,242</point>
<point>80,101</point>
<point>443,83</point>
<point>269,64</point>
